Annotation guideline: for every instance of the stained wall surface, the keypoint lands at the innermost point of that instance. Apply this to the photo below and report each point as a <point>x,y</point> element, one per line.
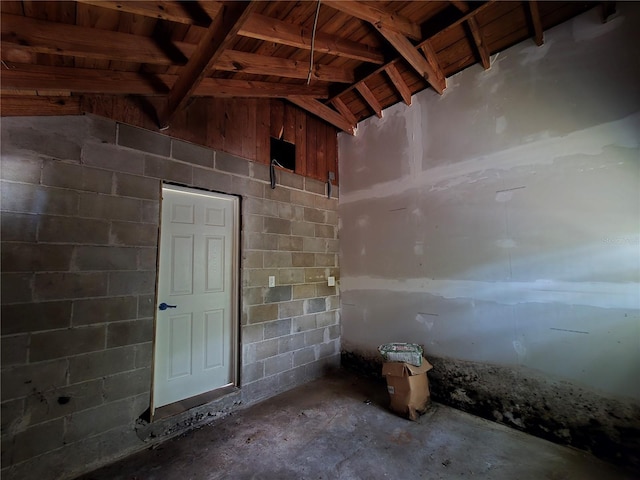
<point>80,216</point>
<point>498,225</point>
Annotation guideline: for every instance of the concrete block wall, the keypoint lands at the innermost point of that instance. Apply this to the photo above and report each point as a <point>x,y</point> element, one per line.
<point>80,217</point>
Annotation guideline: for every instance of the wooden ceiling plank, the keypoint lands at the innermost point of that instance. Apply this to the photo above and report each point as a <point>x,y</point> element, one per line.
<point>189,13</point>
<point>344,110</point>
<point>399,83</point>
<point>221,87</point>
<point>370,98</point>
<point>220,34</point>
<point>272,30</point>
<point>476,33</point>
<point>377,16</point>
<point>34,106</point>
<point>324,112</point>
<point>413,57</point>
<point>32,35</point>
<point>242,62</point>
<point>538,32</point>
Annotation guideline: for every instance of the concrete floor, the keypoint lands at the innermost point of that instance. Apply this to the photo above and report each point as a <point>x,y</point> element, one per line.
<point>339,428</point>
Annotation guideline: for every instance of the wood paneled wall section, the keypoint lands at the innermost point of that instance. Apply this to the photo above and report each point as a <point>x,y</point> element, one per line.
<point>241,127</point>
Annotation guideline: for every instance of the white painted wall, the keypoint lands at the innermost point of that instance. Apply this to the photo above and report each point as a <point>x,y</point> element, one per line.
<point>500,222</point>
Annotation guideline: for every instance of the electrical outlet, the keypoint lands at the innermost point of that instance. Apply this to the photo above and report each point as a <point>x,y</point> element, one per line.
<point>331,281</point>
<point>272,281</point>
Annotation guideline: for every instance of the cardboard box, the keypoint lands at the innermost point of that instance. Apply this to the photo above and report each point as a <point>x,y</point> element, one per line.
<point>408,387</point>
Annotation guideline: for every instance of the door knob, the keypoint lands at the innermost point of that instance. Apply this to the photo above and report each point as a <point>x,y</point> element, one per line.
<point>164,306</point>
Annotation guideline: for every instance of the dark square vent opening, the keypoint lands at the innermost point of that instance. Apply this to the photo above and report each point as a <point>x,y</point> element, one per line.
<point>284,153</point>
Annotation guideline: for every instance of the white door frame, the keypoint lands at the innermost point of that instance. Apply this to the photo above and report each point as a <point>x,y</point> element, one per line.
<point>235,282</point>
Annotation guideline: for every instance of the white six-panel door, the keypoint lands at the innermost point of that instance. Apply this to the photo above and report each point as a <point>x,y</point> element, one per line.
<point>195,329</point>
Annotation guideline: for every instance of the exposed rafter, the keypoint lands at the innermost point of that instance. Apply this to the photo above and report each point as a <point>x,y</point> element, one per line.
<point>476,33</point>
<point>344,110</point>
<point>220,33</point>
<point>324,112</point>
<point>399,83</point>
<point>377,16</point>
<point>370,98</point>
<point>538,34</point>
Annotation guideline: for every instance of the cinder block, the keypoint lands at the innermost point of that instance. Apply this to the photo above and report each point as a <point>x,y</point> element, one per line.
<point>64,343</point>
<point>147,258</point>
<point>315,305</point>
<point>232,164</point>
<point>291,378</point>
<point>303,259</point>
<point>261,241</point>
<point>18,227</point>
<point>252,333</point>
<point>26,198</point>
<point>304,356</point>
<point>315,275</point>
<point>132,283</point>
<point>133,234</point>
<point>44,135</point>
<point>73,230</point>
<point>303,229</point>
<point>334,333</point>
<point>332,217</point>
<point>279,328</point>
<point>277,259</point>
<point>324,203</point>
<point>290,276</point>
<point>278,194</point>
<point>253,295</point>
<point>192,153</point>
<point>326,319</point>
<point>100,128</point>
<point>258,277</point>
<point>104,310</point>
<point>314,244</point>
<point>167,169</point>
<point>323,290</point>
<point>31,257</point>
<point>113,158</point>
<point>333,302</point>
<point>259,171</point>
<point>314,337</point>
<point>303,323</point>
<point>11,415</point>
<point>78,177</point>
<point>326,349</point>
<point>302,198</point>
<point>292,180</point>
<point>290,244</point>
<point>251,373</point>
<point>252,259</point>
<point>260,207</point>
<point>101,363</point>
<point>315,186</point>
<point>266,349</point>
<point>278,364</point>
<point>22,380</point>
<point>144,355</point>
<point>14,350</point>
<point>278,294</point>
<point>127,384</point>
<point>314,215</point>
<point>332,246</point>
<point>211,180</point>
<point>290,309</point>
<point>137,186</point>
<point>146,305</point>
<point>19,168</point>
<point>247,187</point>
<point>32,317</point>
<point>253,223</point>
<point>104,258</point>
<point>110,207</point>
<point>290,212</point>
<point>325,231</point>
<point>16,287</point>
<point>144,140</point>
<point>277,225</point>
<point>59,286</point>
<point>151,212</point>
<point>262,313</point>
<point>304,291</point>
<point>130,333</point>
<point>37,440</point>
<point>85,423</point>
<point>289,343</point>
<point>326,259</point>
<point>55,403</point>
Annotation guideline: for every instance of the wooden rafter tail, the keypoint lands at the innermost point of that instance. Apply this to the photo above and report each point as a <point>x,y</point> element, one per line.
<point>399,83</point>
<point>377,16</point>
<point>344,110</point>
<point>218,37</point>
<point>538,33</point>
<point>432,60</point>
<point>476,33</point>
<point>370,98</point>
<point>327,114</point>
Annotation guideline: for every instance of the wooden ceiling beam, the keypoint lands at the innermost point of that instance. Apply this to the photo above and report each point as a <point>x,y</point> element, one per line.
<point>376,16</point>
<point>413,57</point>
<point>273,30</point>
<point>188,13</point>
<point>344,110</point>
<point>476,33</point>
<point>432,59</point>
<point>327,114</point>
<point>40,36</point>
<point>30,78</point>
<point>370,98</point>
<point>538,32</point>
<point>242,62</point>
<point>398,83</point>
<point>218,37</point>
<point>23,105</point>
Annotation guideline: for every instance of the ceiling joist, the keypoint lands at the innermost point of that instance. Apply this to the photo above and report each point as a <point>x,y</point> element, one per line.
<point>324,112</point>
<point>344,110</point>
<point>476,33</point>
<point>398,83</point>
<point>370,98</point>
